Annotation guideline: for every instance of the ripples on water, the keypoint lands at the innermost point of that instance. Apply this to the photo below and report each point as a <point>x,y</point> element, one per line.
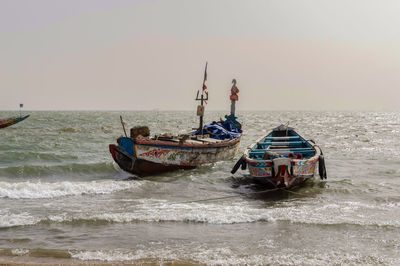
<point>63,199</point>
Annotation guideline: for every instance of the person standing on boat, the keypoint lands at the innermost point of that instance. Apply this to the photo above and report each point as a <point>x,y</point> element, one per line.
<point>234,96</point>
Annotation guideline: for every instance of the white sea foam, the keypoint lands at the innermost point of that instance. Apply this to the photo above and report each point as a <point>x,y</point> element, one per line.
<point>19,251</point>
<point>235,212</point>
<point>347,212</point>
<point>38,190</point>
<point>11,219</point>
<point>200,213</point>
<point>159,212</point>
<point>120,255</point>
<point>226,256</point>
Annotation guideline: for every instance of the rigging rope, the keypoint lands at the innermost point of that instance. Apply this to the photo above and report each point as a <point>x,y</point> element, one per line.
<point>239,194</point>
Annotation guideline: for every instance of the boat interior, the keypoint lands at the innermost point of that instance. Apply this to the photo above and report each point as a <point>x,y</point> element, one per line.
<point>190,138</point>
<point>187,138</point>
<point>278,143</point>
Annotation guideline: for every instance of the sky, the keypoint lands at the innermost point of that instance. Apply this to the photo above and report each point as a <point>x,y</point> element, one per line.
<point>146,55</point>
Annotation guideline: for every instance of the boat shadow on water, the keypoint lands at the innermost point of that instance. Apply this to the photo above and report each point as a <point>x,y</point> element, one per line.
<point>259,191</point>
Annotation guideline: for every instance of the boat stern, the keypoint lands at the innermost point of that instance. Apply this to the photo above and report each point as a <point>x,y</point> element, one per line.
<point>281,172</point>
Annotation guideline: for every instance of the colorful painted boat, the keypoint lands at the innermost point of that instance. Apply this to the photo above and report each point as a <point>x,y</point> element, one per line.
<point>12,120</point>
<point>282,158</point>
<point>143,155</point>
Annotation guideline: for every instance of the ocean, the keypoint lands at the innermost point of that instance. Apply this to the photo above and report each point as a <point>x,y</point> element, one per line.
<point>64,200</point>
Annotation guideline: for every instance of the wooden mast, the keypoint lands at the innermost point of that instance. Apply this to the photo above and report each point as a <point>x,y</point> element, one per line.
<point>200,108</point>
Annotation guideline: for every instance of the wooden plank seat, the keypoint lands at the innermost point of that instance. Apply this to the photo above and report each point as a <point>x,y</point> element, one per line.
<point>210,140</point>
<point>288,138</point>
<point>282,143</point>
<point>187,139</point>
<point>165,139</point>
<point>283,147</point>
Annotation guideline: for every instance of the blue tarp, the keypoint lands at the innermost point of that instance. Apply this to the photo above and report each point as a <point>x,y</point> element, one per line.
<point>220,130</point>
<point>127,145</point>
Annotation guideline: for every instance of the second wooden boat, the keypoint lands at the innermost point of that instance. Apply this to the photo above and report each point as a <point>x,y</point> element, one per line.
<point>282,158</point>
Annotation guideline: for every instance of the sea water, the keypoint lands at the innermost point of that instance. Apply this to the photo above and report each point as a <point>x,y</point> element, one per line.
<point>64,200</point>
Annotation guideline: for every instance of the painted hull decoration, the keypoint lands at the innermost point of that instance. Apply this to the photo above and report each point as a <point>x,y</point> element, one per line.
<point>143,155</point>
<point>282,159</point>
<point>147,156</point>
<point>11,121</point>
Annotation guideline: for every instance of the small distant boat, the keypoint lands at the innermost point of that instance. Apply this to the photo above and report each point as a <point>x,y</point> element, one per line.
<point>12,120</point>
<point>282,159</point>
<point>143,155</point>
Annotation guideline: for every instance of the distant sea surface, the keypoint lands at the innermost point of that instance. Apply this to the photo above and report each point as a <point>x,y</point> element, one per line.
<point>64,200</point>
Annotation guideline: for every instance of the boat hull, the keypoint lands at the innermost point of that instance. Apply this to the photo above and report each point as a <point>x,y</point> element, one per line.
<point>140,167</point>
<point>11,121</point>
<point>150,158</point>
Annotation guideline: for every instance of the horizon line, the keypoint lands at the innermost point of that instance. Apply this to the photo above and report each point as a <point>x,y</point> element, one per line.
<point>190,110</point>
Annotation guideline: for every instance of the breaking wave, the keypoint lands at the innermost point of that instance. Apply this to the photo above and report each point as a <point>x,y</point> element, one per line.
<point>142,211</point>
<point>227,256</point>
<point>340,213</point>
<point>189,213</point>
<point>39,190</point>
<point>11,220</point>
<point>198,254</point>
<point>53,170</point>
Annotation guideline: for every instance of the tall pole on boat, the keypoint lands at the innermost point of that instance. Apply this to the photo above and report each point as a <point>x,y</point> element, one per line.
<point>123,125</point>
<point>202,99</point>
<point>20,106</point>
<point>202,114</point>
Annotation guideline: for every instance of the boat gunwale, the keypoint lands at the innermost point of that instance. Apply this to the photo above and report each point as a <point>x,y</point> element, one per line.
<point>150,142</point>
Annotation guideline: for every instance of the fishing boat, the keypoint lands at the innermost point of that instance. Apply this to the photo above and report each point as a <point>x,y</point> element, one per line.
<point>282,159</point>
<point>12,120</point>
<point>143,155</point>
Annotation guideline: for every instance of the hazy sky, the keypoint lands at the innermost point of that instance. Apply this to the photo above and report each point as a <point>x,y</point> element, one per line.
<point>143,55</point>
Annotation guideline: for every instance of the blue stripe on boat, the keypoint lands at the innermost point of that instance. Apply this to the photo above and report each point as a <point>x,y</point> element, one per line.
<point>304,151</point>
